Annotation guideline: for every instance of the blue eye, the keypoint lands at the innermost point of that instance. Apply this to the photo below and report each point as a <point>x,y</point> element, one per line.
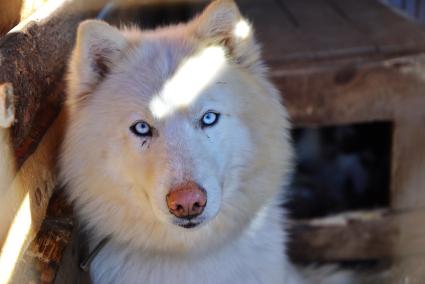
<point>209,119</point>
<point>141,128</point>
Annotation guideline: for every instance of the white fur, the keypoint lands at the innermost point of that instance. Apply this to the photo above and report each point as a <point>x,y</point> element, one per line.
<point>119,181</point>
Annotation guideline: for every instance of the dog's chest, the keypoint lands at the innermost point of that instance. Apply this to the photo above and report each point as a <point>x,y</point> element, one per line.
<point>235,264</point>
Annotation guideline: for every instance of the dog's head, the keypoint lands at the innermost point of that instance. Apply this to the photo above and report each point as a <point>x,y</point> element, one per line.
<point>176,139</point>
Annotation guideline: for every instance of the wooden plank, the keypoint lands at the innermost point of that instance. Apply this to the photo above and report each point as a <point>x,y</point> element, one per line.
<point>408,158</point>
<point>408,154</point>
<point>325,31</point>
<point>292,30</point>
<point>390,32</point>
<point>410,269</point>
<point>343,93</point>
<point>363,235</point>
<point>408,187</point>
<point>277,30</point>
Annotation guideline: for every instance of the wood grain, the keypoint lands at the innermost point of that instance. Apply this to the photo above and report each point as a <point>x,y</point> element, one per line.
<point>362,235</point>
<point>351,92</point>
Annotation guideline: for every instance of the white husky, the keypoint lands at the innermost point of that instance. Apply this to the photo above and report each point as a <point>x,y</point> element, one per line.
<point>177,149</point>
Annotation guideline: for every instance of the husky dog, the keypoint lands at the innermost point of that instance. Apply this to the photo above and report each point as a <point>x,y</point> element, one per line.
<point>177,149</point>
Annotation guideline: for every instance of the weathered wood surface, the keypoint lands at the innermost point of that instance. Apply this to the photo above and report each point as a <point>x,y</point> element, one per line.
<point>13,12</point>
<point>408,190</point>
<point>33,58</point>
<point>362,235</point>
<point>44,254</point>
<point>10,14</point>
<point>341,93</point>
<point>408,158</point>
<point>293,30</point>
<point>36,179</point>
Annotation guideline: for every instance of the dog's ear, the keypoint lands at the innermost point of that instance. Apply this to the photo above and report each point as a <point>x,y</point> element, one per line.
<point>98,47</point>
<point>221,23</point>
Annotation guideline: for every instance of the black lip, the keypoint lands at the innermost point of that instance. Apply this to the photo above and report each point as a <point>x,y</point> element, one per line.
<point>189,225</point>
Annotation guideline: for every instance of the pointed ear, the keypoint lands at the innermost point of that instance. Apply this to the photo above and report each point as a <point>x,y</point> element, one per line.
<point>98,47</point>
<point>221,23</point>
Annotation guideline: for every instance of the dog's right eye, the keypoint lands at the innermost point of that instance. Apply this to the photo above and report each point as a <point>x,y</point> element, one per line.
<point>141,128</point>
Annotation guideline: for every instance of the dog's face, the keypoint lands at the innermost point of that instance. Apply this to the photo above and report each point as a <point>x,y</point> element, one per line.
<point>175,134</point>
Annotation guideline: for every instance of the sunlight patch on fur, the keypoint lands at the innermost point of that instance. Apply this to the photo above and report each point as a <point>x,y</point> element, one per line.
<point>15,241</point>
<point>189,81</point>
<point>242,29</point>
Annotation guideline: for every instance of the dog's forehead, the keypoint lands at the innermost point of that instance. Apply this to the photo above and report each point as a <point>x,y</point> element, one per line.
<point>171,72</point>
<point>190,81</point>
<point>155,60</point>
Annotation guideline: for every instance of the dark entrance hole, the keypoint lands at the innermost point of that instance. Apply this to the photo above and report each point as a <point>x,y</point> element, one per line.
<point>339,169</point>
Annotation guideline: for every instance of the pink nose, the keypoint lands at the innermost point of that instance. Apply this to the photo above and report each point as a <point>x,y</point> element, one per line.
<point>186,200</point>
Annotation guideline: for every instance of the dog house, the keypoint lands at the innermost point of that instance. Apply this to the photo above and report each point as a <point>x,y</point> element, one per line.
<point>335,62</point>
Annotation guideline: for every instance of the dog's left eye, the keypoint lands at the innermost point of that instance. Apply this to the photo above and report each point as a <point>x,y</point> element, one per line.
<point>209,119</point>
<point>141,128</point>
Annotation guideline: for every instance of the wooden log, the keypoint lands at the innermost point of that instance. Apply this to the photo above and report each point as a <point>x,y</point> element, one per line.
<point>25,201</point>
<point>33,58</point>
<point>10,14</point>
<point>43,257</point>
<point>7,166</point>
